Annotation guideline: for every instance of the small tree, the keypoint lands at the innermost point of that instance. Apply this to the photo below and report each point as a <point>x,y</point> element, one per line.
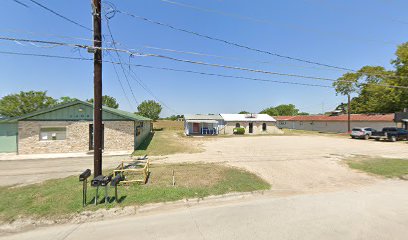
<point>346,85</point>
<point>107,101</point>
<point>281,110</point>
<point>25,102</point>
<point>244,112</point>
<point>150,109</point>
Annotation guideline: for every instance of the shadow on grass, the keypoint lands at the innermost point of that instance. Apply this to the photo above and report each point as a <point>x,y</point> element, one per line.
<point>145,144</point>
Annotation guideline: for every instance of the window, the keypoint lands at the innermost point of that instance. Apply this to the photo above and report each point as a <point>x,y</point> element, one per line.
<point>264,127</point>
<point>141,124</point>
<point>53,133</point>
<point>237,125</point>
<point>282,122</point>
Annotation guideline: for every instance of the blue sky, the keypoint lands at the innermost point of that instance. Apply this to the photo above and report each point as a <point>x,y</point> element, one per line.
<point>347,33</point>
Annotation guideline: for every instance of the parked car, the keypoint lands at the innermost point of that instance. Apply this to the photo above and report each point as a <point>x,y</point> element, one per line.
<point>391,133</point>
<point>364,133</point>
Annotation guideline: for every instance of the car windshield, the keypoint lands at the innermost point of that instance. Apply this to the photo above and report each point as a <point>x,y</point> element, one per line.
<point>357,129</point>
<point>389,129</point>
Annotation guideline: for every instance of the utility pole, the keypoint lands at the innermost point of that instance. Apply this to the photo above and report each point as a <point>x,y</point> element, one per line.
<point>348,113</point>
<point>97,119</point>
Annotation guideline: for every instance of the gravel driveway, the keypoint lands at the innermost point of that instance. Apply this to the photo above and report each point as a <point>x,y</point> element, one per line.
<point>293,163</point>
<point>296,163</point>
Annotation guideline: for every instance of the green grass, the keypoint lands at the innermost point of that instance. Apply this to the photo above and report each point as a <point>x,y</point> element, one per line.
<point>387,167</point>
<point>61,197</point>
<point>167,142</point>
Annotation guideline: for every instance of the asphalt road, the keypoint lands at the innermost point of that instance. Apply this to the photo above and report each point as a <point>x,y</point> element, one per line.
<point>23,172</point>
<point>378,211</point>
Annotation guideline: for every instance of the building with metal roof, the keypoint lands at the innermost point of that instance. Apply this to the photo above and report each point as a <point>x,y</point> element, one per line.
<point>69,128</point>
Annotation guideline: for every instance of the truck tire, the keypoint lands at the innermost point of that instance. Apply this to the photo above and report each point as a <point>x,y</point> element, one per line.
<point>393,139</point>
<point>366,137</point>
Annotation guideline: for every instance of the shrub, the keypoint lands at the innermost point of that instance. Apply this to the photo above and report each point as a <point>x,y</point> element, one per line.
<point>239,130</point>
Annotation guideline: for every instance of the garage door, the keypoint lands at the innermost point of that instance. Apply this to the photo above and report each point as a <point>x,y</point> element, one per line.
<point>8,137</point>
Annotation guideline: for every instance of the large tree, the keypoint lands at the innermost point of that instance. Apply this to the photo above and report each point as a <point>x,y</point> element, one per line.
<point>370,85</point>
<point>107,101</point>
<point>150,109</point>
<point>282,110</point>
<point>67,99</point>
<point>24,102</point>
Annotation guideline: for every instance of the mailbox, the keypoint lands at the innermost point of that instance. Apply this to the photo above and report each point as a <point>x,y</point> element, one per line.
<point>97,181</point>
<point>105,180</point>
<point>116,180</point>
<point>85,175</point>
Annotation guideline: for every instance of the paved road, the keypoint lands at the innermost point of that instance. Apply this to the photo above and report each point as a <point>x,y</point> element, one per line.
<point>22,172</point>
<point>379,211</point>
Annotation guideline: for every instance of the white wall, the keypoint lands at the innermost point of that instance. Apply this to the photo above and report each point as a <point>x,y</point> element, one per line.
<point>332,126</point>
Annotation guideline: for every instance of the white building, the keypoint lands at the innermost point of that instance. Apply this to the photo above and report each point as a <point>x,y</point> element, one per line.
<point>202,124</point>
<point>252,123</point>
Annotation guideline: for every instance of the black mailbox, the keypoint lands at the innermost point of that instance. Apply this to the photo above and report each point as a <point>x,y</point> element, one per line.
<point>85,175</point>
<point>105,180</point>
<point>116,180</point>
<point>97,181</point>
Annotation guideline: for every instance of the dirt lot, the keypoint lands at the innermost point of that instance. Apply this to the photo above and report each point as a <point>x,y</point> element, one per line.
<point>296,163</point>
<point>290,163</point>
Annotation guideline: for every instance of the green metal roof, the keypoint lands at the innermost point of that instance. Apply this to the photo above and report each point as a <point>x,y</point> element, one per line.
<point>76,110</point>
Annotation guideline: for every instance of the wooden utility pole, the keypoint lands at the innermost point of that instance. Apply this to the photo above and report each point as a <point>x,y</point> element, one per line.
<point>348,113</point>
<point>97,119</point>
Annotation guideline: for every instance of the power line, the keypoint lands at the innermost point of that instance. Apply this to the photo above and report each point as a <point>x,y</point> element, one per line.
<point>168,69</point>
<point>60,15</point>
<point>235,58</point>
<point>123,70</point>
<point>138,81</point>
<point>232,43</point>
<point>131,53</point>
<point>22,4</point>
<point>264,21</point>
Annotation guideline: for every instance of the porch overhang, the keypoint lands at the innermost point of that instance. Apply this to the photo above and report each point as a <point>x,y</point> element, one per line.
<point>202,121</point>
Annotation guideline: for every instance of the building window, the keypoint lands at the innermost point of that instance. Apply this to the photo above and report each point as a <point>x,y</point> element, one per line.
<point>53,133</point>
<point>141,124</point>
<point>282,122</point>
<point>237,125</point>
<point>137,131</point>
<point>263,126</point>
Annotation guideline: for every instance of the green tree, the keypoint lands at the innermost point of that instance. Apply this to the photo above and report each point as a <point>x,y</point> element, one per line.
<point>150,109</point>
<point>107,101</point>
<point>67,99</point>
<point>281,110</point>
<point>244,112</point>
<point>25,102</point>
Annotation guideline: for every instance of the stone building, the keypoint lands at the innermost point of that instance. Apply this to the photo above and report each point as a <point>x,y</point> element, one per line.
<point>68,128</point>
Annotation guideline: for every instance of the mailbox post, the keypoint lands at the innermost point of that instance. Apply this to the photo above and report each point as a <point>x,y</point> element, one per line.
<point>84,179</point>
<point>101,181</point>
<point>114,183</point>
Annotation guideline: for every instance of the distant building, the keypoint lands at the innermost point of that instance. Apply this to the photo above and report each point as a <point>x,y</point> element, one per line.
<point>69,128</point>
<point>335,123</point>
<point>401,119</point>
<point>202,124</point>
<point>214,124</point>
<point>253,123</point>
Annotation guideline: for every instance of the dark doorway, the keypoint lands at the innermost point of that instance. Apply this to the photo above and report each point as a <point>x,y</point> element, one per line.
<point>264,127</point>
<point>91,138</point>
<point>196,127</point>
<point>251,127</point>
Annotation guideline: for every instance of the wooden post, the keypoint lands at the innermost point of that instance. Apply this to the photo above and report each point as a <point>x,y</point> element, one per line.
<point>97,118</point>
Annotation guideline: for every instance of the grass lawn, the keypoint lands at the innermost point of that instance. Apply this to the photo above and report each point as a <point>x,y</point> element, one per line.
<point>387,167</point>
<point>61,197</point>
<point>166,142</point>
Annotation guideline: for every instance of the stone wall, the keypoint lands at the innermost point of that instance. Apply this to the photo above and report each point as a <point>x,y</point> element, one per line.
<point>118,135</point>
<point>257,128</point>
